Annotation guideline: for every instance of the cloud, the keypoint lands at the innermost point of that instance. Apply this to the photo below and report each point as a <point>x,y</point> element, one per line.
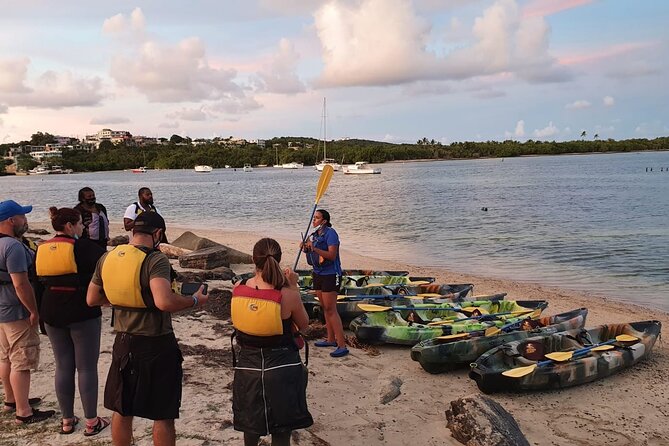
<point>169,125</point>
<point>548,7</point>
<point>119,24</point>
<point>359,49</point>
<point>280,75</point>
<point>577,105</point>
<point>104,120</point>
<point>609,101</point>
<point>519,131</point>
<point>189,114</point>
<point>51,89</point>
<point>549,130</point>
<point>165,72</point>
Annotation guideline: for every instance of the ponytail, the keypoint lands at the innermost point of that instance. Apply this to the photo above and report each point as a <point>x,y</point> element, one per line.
<point>266,257</point>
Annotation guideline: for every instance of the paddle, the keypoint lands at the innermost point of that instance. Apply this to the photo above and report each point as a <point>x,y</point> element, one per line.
<point>566,356</point>
<point>354,297</point>
<point>491,316</point>
<point>323,182</point>
<point>519,372</point>
<point>492,331</point>
<point>371,308</point>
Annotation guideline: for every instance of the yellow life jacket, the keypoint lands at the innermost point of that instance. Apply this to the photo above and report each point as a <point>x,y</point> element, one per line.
<point>120,274</point>
<point>256,312</point>
<point>55,257</point>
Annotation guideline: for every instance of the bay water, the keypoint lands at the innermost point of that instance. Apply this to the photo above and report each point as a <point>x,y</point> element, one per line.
<point>597,223</point>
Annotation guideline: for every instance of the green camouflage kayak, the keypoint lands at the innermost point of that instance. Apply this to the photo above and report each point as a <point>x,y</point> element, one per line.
<point>582,368</point>
<point>348,306</point>
<point>437,356</point>
<point>443,290</point>
<point>394,327</point>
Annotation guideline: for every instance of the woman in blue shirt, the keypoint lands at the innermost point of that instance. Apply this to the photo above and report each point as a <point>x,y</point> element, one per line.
<point>323,254</point>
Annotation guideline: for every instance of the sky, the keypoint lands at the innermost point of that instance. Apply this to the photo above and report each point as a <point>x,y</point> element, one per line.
<point>391,70</point>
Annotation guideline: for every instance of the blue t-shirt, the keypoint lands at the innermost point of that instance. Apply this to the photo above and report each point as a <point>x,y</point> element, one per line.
<point>15,257</point>
<point>329,237</point>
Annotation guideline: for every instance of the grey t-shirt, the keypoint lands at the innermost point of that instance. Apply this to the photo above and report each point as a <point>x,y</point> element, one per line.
<point>15,257</point>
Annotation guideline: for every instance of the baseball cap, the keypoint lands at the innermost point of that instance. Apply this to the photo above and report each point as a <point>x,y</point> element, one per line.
<point>149,221</point>
<point>10,208</point>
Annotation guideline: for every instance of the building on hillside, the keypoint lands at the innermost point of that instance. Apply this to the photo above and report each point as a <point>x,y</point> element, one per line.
<point>261,143</point>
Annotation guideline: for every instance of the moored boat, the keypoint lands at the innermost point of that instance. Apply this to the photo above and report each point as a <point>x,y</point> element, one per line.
<point>437,356</point>
<point>361,168</point>
<point>247,168</point>
<point>293,165</point>
<point>411,324</point>
<point>529,369</point>
<point>142,169</point>
<point>203,168</point>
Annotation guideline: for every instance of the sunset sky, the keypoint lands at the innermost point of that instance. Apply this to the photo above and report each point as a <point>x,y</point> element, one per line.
<point>391,70</point>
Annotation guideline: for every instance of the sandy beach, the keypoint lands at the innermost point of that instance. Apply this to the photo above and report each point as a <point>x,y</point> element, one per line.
<point>343,394</point>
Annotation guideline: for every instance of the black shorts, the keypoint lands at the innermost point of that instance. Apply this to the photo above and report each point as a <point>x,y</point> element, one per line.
<point>327,283</point>
<point>145,377</point>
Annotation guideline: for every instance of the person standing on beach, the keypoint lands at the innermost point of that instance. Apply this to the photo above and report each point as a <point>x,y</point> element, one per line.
<point>269,390</point>
<point>94,217</point>
<point>143,204</point>
<point>19,340</point>
<point>145,375</point>
<point>322,253</point>
<point>65,264</point>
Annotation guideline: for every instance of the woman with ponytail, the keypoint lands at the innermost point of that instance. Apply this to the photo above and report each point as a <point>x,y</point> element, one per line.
<point>65,265</point>
<point>270,381</point>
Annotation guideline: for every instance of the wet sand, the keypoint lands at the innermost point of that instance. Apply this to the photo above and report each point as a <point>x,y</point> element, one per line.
<point>630,408</point>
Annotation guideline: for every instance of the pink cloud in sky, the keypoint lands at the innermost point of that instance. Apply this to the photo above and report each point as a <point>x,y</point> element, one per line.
<point>604,53</point>
<point>542,8</point>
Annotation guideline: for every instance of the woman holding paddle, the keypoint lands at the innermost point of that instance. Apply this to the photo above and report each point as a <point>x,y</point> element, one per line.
<point>323,255</point>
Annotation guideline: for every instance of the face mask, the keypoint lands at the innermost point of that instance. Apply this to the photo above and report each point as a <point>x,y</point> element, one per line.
<point>156,244</point>
<point>90,202</point>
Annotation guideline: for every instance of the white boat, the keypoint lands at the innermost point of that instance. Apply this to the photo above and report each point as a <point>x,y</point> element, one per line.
<point>203,169</point>
<point>139,170</point>
<point>361,168</point>
<point>326,161</point>
<point>293,165</point>
<point>247,168</point>
<point>39,170</point>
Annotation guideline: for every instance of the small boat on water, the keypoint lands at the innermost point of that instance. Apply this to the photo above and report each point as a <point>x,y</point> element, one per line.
<point>328,162</point>
<point>45,170</point>
<point>532,363</point>
<point>442,355</point>
<point>247,168</point>
<point>361,168</point>
<point>142,169</point>
<point>203,169</point>
<point>293,165</point>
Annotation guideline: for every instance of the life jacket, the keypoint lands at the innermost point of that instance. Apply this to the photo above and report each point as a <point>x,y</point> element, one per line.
<point>139,210</point>
<point>256,312</point>
<point>121,271</point>
<point>55,257</point>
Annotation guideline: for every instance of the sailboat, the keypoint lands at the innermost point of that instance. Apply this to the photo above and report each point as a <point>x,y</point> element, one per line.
<point>326,161</point>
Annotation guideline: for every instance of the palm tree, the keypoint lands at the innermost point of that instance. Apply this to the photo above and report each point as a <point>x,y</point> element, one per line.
<point>596,136</point>
<point>583,134</point>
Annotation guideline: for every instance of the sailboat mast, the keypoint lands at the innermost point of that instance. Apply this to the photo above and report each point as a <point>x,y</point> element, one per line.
<point>325,131</point>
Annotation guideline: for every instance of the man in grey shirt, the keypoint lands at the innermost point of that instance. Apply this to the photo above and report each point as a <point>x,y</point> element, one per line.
<point>19,341</point>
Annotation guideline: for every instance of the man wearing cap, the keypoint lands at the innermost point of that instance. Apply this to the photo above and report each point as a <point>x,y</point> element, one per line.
<point>145,375</point>
<point>19,341</point>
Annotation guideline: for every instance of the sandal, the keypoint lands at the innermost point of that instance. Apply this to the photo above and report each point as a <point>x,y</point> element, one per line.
<point>36,417</point>
<point>68,425</point>
<point>100,424</point>
<point>325,343</point>
<point>341,351</point>
<point>11,407</point>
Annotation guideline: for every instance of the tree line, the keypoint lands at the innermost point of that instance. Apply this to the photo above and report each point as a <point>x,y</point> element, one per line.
<point>180,153</point>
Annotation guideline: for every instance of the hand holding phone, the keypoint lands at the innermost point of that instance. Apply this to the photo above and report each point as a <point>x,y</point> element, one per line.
<point>190,288</point>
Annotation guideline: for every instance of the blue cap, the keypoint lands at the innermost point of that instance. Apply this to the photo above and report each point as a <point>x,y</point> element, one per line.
<point>10,208</point>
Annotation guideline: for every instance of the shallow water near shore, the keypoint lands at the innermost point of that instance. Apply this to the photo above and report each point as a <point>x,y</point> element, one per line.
<point>594,223</point>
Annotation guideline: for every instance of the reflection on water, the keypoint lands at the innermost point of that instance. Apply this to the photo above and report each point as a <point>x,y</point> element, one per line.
<point>589,222</point>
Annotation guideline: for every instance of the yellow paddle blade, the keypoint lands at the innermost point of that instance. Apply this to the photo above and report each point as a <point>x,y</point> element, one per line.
<point>560,356</point>
<point>626,338</point>
<point>492,331</point>
<point>419,282</point>
<point>447,321</point>
<point>427,295</point>
<point>368,308</point>
<point>603,348</point>
<point>341,296</point>
<point>369,285</point>
<point>324,181</point>
<point>453,336</point>
<point>519,372</point>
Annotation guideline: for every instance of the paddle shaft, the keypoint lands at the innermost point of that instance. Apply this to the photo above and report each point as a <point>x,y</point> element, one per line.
<point>579,352</point>
<point>306,234</point>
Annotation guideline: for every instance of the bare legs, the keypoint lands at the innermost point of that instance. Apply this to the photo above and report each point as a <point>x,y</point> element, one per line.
<point>164,433</point>
<point>333,323</point>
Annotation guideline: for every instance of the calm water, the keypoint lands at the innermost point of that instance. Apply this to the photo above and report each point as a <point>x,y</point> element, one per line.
<point>589,222</point>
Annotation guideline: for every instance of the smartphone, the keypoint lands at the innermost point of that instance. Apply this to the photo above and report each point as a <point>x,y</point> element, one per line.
<point>190,288</point>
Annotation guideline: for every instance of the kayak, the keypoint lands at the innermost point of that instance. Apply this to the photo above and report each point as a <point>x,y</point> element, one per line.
<point>396,327</point>
<point>379,278</point>
<point>411,289</point>
<point>529,355</point>
<point>437,356</point>
<point>348,306</point>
